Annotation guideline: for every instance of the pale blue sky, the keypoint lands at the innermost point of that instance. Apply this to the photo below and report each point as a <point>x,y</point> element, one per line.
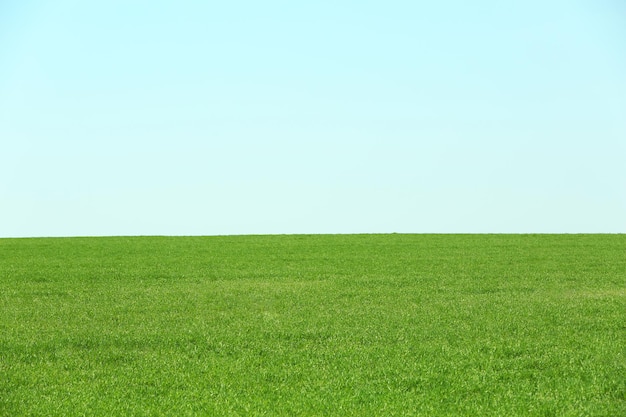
<point>245,117</point>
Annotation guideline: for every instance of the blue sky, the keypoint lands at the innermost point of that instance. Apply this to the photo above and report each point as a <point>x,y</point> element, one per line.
<point>249,117</point>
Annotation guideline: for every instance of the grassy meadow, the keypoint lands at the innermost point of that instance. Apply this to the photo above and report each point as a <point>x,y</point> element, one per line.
<point>320,325</point>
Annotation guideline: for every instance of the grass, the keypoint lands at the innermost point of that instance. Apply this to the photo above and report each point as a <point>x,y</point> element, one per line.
<point>388,325</point>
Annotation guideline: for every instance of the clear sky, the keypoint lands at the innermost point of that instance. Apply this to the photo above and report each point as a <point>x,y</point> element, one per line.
<point>132,117</point>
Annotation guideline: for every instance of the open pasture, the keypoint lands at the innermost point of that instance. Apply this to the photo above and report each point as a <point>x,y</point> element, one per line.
<point>367,325</point>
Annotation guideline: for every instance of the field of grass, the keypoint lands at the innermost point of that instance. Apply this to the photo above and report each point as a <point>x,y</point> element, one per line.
<point>367,325</point>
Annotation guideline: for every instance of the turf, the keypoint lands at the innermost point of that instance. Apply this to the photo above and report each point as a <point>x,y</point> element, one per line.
<point>385,325</point>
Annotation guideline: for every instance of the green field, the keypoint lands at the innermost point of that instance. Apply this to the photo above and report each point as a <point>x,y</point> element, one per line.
<point>367,325</point>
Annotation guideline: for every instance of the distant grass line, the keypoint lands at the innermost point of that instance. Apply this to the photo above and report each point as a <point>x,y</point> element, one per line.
<point>332,325</point>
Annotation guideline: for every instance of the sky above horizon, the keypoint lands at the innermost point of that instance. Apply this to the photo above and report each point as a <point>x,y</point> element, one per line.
<point>244,117</point>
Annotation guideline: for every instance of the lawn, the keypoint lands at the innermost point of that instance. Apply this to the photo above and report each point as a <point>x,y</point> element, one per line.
<point>329,325</point>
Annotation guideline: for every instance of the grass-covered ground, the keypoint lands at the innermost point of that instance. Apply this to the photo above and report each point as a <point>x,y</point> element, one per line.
<point>368,325</point>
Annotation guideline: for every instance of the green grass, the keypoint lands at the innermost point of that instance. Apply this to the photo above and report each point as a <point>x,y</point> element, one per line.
<point>385,325</point>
